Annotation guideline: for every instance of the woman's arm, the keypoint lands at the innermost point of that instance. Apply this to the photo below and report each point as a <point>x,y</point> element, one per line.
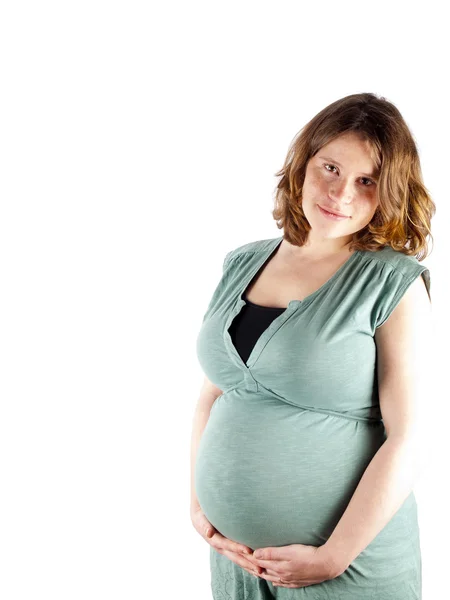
<point>208,395</point>
<point>404,366</point>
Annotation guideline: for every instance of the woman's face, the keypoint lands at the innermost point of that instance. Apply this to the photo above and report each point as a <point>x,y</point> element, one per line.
<point>341,177</point>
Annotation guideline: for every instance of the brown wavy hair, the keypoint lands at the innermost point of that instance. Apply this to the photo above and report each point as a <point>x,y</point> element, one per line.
<point>405,207</point>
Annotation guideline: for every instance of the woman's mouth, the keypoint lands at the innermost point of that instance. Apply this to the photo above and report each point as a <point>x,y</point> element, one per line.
<point>330,215</point>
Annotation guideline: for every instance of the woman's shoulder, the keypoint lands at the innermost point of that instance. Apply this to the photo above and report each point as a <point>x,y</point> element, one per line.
<point>387,271</point>
<point>395,259</point>
<point>250,248</point>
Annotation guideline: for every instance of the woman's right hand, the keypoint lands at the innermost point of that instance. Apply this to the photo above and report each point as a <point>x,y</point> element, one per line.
<point>238,553</point>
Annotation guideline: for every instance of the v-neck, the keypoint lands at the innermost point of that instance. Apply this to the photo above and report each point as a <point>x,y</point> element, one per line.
<point>292,307</point>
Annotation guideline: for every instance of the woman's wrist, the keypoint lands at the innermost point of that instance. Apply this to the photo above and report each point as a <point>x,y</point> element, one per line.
<point>335,566</point>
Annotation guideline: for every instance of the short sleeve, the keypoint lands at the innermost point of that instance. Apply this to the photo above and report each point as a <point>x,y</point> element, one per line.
<point>220,286</point>
<point>226,260</point>
<point>395,287</point>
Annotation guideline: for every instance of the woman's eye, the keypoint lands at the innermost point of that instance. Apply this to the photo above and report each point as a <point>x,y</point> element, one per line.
<point>326,165</point>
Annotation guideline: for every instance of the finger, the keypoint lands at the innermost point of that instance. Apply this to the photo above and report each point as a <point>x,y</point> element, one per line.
<point>241,562</point>
<point>205,525</point>
<point>275,579</point>
<point>273,573</point>
<point>297,584</point>
<point>266,562</point>
<point>231,545</point>
<point>249,558</point>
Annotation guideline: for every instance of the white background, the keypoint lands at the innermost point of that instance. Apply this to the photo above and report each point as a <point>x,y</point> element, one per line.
<point>139,143</point>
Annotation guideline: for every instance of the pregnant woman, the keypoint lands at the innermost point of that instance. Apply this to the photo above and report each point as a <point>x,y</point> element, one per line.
<point>306,443</point>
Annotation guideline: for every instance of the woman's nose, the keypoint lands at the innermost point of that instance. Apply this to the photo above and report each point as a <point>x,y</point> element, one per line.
<point>343,191</point>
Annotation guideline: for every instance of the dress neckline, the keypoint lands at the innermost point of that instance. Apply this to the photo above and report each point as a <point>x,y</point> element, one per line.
<point>268,255</point>
<point>253,305</point>
<point>293,307</point>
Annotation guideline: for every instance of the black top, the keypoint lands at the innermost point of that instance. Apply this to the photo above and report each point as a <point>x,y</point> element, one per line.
<point>249,324</point>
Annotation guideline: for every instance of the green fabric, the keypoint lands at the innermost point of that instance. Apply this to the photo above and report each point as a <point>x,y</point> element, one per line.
<point>295,428</point>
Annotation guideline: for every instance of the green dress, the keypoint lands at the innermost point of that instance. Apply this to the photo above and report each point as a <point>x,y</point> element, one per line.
<point>288,441</point>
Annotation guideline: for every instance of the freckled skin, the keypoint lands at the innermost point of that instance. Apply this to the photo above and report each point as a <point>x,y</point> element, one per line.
<point>343,189</point>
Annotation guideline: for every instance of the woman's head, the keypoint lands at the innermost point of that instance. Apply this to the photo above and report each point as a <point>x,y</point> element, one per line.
<point>357,157</point>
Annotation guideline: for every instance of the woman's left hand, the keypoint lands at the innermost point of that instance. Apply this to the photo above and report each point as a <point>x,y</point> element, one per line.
<point>297,565</point>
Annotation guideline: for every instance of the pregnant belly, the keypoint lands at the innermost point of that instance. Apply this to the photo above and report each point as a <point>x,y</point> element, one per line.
<point>269,473</point>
